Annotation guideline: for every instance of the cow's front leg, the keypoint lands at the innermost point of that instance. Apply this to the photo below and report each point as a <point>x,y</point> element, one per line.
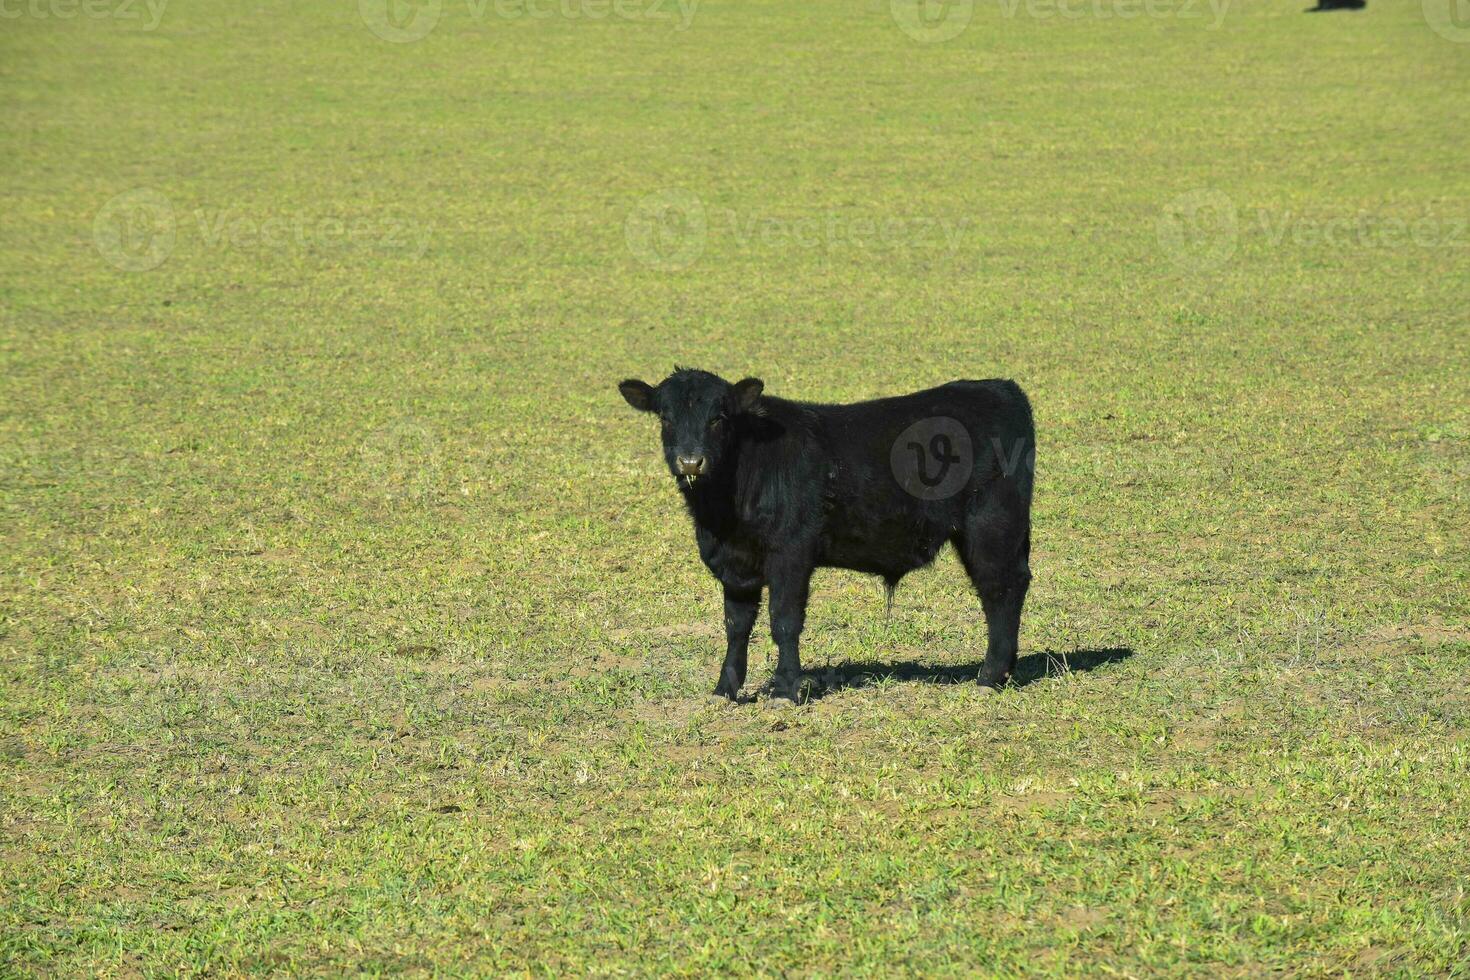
<point>741,606</point>
<point>790,584</point>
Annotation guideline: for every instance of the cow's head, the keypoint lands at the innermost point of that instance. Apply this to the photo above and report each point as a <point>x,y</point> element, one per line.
<point>701,413</point>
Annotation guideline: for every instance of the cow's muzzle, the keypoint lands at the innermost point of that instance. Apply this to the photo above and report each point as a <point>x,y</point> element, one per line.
<point>691,467</point>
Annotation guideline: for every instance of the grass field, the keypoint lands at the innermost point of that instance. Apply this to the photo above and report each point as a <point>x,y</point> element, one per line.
<point>350,622</point>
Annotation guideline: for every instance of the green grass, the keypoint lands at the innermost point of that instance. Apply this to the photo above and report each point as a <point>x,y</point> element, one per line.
<point>348,620</point>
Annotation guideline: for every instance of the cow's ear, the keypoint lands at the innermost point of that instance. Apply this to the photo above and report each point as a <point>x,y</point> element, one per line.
<point>637,394</point>
<point>745,396</point>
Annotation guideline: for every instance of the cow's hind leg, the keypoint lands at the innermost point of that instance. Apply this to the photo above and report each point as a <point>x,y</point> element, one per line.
<point>995,548</point>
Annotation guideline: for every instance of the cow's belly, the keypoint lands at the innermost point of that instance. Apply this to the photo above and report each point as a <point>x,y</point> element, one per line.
<point>888,548</point>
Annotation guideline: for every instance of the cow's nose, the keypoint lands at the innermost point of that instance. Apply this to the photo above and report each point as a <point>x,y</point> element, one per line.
<point>691,465</point>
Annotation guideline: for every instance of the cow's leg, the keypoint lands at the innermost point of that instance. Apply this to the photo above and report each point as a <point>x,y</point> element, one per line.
<point>741,606</point>
<point>995,548</point>
<point>1002,599</point>
<point>790,580</point>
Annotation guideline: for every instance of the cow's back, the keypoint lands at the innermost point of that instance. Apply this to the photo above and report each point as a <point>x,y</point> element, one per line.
<point>993,411</point>
<point>877,524</point>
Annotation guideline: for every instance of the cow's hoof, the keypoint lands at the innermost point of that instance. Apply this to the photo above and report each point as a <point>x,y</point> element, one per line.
<point>990,684</point>
<point>723,690</point>
<point>798,689</point>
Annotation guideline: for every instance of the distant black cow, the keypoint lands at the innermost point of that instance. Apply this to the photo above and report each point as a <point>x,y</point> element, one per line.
<point>780,488</point>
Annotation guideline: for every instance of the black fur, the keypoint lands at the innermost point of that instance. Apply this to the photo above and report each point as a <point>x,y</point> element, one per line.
<point>785,487</point>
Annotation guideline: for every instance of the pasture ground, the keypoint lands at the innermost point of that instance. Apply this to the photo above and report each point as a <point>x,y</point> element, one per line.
<point>349,621</point>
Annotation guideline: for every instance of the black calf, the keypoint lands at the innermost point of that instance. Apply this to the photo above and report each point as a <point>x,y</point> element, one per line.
<point>780,488</point>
